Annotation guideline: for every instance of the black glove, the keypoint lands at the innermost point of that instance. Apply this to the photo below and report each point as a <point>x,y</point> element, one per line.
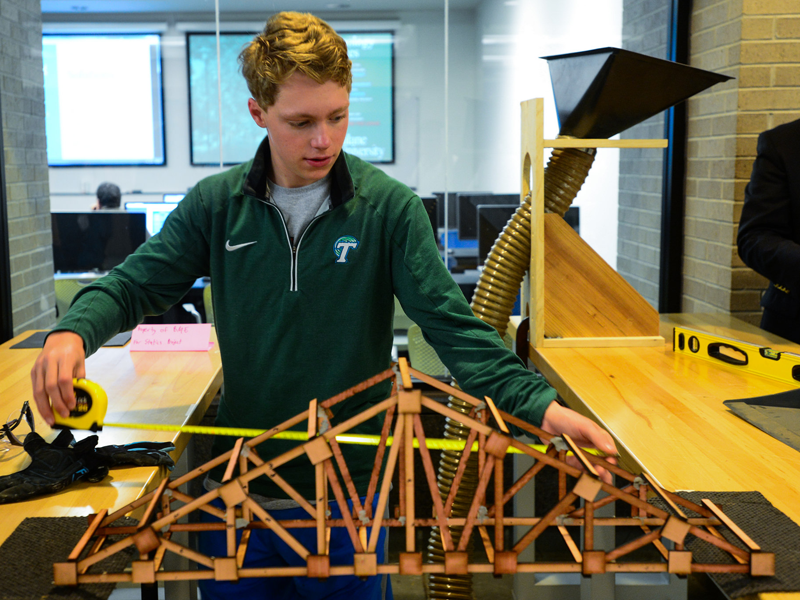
<point>53,467</point>
<point>139,454</point>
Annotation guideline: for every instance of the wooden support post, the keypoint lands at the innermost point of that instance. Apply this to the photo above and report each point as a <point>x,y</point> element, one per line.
<point>498,504</point>
<point>321,507</point>
<point>588,525</point>
<point>408,457</point>
<point>384,493</point>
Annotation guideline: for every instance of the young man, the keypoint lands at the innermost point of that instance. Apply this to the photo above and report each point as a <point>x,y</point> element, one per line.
<point>306,247</point>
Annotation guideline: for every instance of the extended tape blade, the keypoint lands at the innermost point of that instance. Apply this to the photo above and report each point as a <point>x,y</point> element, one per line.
<point>302,436</point>
<point>742,356</point>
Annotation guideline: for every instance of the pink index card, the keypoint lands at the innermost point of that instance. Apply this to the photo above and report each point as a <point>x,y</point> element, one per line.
<point>179,337</point>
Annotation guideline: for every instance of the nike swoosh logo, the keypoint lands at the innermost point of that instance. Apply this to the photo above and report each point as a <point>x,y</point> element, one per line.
<point>230,248</point>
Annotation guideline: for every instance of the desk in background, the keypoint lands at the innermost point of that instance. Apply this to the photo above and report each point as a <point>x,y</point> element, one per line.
<point>150,387</point>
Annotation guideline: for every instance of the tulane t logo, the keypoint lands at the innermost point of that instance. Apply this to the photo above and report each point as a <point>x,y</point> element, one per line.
<point>342,247</point>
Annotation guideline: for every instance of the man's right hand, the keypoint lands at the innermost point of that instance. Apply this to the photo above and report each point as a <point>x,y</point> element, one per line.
<point>62,359</point>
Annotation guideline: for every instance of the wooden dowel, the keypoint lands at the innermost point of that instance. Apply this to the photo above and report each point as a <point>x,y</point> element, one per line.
<point>663,495</point>
<point>633,545</point>
<point>405,377</point>
<point>383,497</point>
<point>243,542</point>
<point>658,544</point>
<point>235,452</point>
<point>321,507</point>
<point>175,515</point>
<point>230,531</point>
<point>573,547</point>
<point>589,467</point>
<point>108,551</point>
<point>462,466</point>
<point>153,503</point>
<point>343,508</point>
<point>291,492</point>
<point>98,518</point>
<point>376,468</point>
<point>537,529</point>
<point>160,552</point>
<point>360,418</point>
<point>588,526</point>
<point>366,384</point>
<point>496,414</point>
<point>577,514</point>
<point>719,543</point>
<point>408,471</point>
<point>275,526</point>
<point>443,387</point>
<point>456,416</point>
<point>718,535</point>
<point>98,543</point>
<point>348,480</point>
<point>312,419</point>
<point>498,505</point>
<point>182,550</point>
<point>731,525</point>
<point>401,488</point>
<point>487,543</point>
<point>634,501</point>
<point>547,458</point>
<point>520,483</point>
<point>208,508</point>
<point>562,476</point>
<point>480,492</point>
<point>430,476</point>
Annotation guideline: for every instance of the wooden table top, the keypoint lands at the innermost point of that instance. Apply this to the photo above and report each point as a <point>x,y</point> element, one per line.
<point>666,412</point>
<point>144,387</point>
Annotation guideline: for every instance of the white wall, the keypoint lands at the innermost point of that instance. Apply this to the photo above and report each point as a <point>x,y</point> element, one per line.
<point>511,36</point>
<point>419,116</point>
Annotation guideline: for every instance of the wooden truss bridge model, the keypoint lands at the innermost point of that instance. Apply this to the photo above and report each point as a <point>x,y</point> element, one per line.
<point>164,507</point>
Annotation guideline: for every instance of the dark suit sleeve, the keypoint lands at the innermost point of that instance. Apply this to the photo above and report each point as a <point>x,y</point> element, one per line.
<point>766,242</point>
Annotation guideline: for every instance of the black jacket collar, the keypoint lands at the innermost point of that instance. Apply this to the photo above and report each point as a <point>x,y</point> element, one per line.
<point>255,184</point>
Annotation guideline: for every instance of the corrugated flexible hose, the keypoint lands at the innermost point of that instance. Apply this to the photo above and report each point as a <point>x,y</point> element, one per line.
<point>493,302</point>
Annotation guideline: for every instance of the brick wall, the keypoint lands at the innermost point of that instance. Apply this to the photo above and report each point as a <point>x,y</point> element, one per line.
<point>758,42</point>
<point>26,175</point>
<point>769,75</point>
<point>644,30</point>
<point>711,155</point>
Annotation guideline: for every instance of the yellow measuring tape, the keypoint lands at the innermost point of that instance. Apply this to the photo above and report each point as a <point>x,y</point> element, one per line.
<point>92,403</point>
<point>750,358</point>
<point>301,436</point>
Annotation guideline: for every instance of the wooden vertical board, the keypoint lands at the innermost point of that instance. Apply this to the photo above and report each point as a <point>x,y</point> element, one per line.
<point>583,295</point>
<point>532,173</point>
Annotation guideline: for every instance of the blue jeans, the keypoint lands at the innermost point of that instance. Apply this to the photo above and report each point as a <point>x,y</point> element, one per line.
<point>266,549</point>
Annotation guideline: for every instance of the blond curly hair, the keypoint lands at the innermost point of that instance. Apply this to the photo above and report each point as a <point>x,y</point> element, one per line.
<point>293,42</point>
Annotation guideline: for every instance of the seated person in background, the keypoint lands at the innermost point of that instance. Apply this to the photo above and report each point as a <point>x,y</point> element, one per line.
<point>769,230</point>
<point>108,196</point>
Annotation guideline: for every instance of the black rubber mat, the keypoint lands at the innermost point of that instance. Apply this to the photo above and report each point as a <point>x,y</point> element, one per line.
<point>777,415</point>
<point>27,558</point>
<point>768,527</point>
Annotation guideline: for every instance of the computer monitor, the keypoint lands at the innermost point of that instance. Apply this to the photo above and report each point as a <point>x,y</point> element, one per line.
<point>95,241</point>
<point>492,219</point>
<point>173,197</point>
<point>431,207</point>
<point>156,213</point>
<point>467,217</point>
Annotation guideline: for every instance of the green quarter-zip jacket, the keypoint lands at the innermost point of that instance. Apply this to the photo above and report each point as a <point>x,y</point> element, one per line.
<point>307,318</point>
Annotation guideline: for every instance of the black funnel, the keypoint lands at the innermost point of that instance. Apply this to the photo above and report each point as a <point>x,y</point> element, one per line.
<point>601,92</point>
